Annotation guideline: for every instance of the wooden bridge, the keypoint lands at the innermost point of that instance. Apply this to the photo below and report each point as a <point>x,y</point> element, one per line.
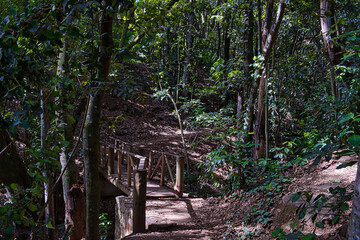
<point>134,175</point>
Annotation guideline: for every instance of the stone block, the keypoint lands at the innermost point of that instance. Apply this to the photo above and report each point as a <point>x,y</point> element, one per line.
<point>123,216</point>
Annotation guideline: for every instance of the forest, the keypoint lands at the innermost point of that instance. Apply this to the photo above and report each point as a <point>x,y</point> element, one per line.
<point>254,104</point>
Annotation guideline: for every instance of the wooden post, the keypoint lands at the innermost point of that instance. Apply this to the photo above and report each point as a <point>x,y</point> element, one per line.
<point>139,201</point>
<point>111,161</point>
<point>151,155</point>
<point>128,170</point>
<point>102,157</point>
<point>106,158</point>
<point>162,178</point>
<point>118,152</point>
<point>129,167</point>
<point>120,160</point>
<point>179,183</point>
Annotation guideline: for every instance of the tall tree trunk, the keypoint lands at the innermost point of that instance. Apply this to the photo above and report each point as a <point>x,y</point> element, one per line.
<point>73,220</point>
<point>327,20</point>
<point>91,141</point>
<point>260,114</point>
<point>248,62</point>
<point>269,43</point>
<point>248,69</point>
<point>227,41</point>
<point>218,51</point>
<point>49,209</point>
<point>189,46</point>
<point>259,26</point>
<point>354,224</point>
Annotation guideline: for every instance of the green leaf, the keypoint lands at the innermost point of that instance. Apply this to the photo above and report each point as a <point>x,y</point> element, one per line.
<point>32,207</point>
<point>309,237</point>
<point>71,119</point>
<point>354,140</point>
<point>302,212</point>
<point>13,186</point>
<point>49,225</point>
<point>316,161</point>
<point>345,153</point>
<point>69,106</point>
<point>346,164</point>
<point>34,28</point>
<point>295,196</point>
<point>335,220</point>
<point>293,235</point>
<point>292,225</point>
<point>344,206</point>
<point>25,124</point>
<point>320,225</point>
<point>346,118</point>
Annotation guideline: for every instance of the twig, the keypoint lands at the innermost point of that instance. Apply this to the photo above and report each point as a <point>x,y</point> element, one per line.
<point>182,133</point>
<point>6,148</point>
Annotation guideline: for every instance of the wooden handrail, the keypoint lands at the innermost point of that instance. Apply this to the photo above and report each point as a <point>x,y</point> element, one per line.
<point>148,149</point>
<point>121,153</point>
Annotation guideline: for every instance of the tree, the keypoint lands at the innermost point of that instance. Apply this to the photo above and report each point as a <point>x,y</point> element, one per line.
<point>260,141</point>
<point>328,21</point>
<point>264,57</point>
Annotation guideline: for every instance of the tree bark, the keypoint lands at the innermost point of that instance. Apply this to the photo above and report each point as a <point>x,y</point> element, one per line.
<point>327,20</point>
<point>248,61</point>
<point>354,224</point>
<point>70,176</point>
<point>49,208</point>
<point>91,135</point>
<point>260,114</point>
<point>269,43</point>
<point>189,46</point>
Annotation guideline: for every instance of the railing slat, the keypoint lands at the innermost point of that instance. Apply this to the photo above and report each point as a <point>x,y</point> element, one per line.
<point>162,177</point>
<point>169,169</point>
<point>151,155</point>
<point>111,161</point>
<point>156,167</point>
<point>179,184</point>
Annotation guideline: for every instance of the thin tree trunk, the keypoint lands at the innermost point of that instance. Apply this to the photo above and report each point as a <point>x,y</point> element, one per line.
<point>182,133</point>
<point>248,61</point>
<point>269,43</point>
<point>259,33</point>
<point>189,46</point>
<point>327,20</point>
<point>91,135</point>
<point>260,115</point>
<point>354,223</point>
<point>49,209</point>
<point>227,42</point>
<point>73,220</point>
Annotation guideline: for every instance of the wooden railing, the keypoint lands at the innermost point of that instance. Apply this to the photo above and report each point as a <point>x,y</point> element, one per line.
<point>142,167</point>
<point>136,162</point>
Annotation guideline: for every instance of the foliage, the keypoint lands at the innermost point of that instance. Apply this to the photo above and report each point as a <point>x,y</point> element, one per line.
<point>20,209</point>
<point>105,226</point>
<point>316,208</point>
